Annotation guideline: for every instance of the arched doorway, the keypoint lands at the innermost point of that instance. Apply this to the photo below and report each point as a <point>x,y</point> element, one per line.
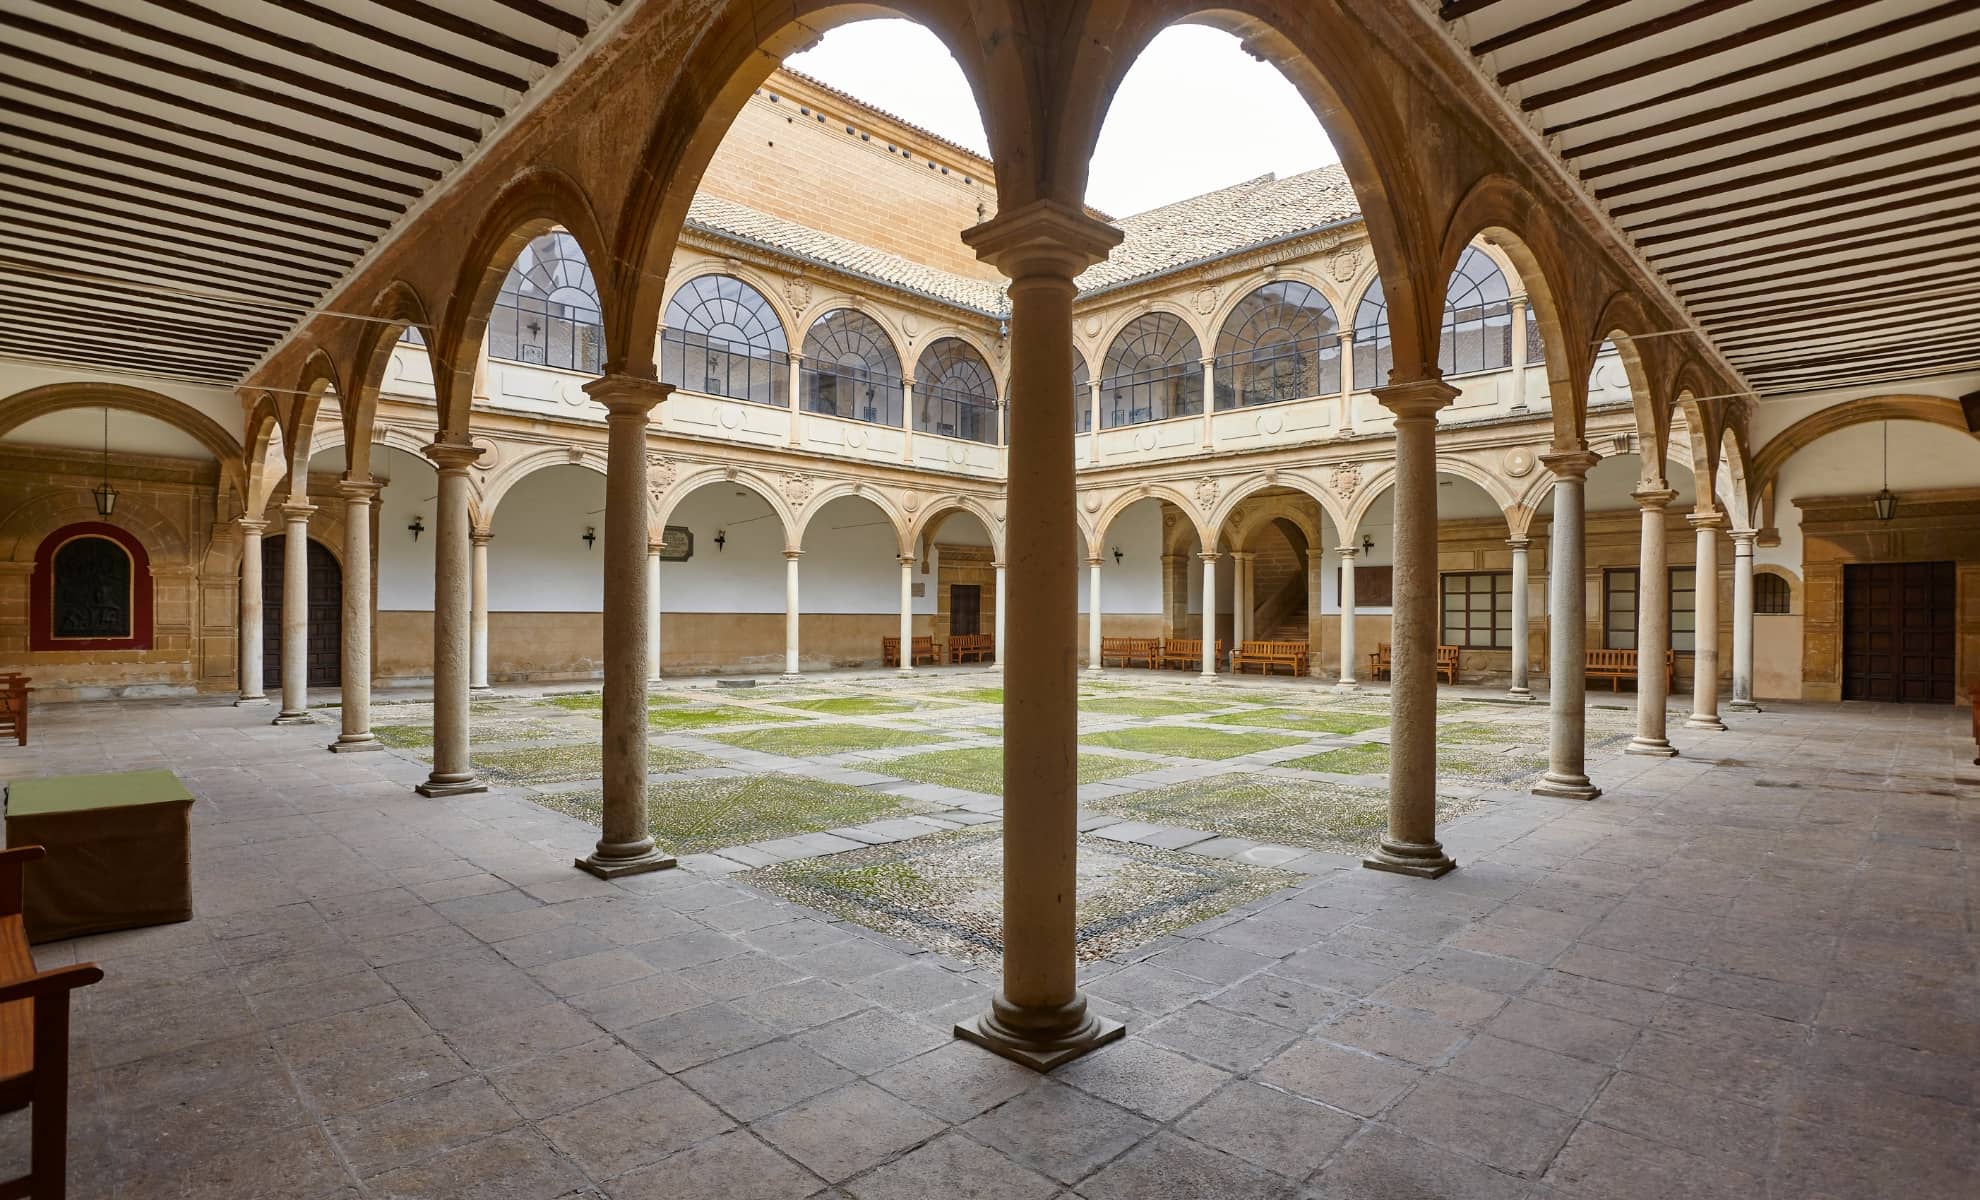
<point>326,612</point>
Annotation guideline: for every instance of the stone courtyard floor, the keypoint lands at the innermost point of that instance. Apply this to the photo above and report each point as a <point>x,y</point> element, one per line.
<point>1746,972</point>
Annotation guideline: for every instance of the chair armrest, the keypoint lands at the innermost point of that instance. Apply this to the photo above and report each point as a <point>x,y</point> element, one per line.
<point>48,983</point>
<point>12,861</point>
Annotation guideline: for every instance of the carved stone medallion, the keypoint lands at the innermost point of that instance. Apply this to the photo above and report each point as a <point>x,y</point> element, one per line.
<point>1344,479</point>
<point>797,489</point>
<point>1206,493</point>
<point>1347,261</point>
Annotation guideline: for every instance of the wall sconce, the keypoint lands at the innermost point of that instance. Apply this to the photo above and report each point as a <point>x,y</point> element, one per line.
<point>1367,544</point>
<point>590,535</point>
<point>721,539</point>
<point>416,527</point>
<point>1118,556</point>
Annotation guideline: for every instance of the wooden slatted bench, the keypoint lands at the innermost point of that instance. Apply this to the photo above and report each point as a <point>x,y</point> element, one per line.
<point>923,649</point>
<point>1127,651</point>
<point>1447,663</point>
<point>1378,661</point>
<point>1618,665</point>
<point>1379,666</point>
<point>1268,656</point>
<point>14,691</point>
<point>972,647</point>
<point>34,1040</point>
<point>1186,653</point>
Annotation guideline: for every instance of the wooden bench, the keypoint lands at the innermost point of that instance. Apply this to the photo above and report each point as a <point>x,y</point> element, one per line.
<point>1186,653</point>
<point>1447,662</point>
<point>923,649</point>
<point>1618,665</point>
<point>1127,651</point>
<point>972,647</point>
<point>14,691</point>
<point>34,1040</point>
<point>1268,656</point>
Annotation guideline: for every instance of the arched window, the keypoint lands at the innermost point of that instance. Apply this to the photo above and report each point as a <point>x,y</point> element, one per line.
<point>1477,317</point>
<point>954,394</point>
<point>547,311</point>
<point>1773,595</point>
<point>721,337</point>
<point>1082,394</point>
<point>1374,357</point>
<point>91,591</point>
<point>1152,372</point>
<point>1281,342</point>
<point>851,369</point>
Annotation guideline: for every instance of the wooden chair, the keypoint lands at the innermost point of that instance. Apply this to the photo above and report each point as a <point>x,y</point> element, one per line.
<point>34,1040</point>
<point>14,691</point>
<point>1378,661</point>
<point>1447,663</point>
<point>1268,656</point>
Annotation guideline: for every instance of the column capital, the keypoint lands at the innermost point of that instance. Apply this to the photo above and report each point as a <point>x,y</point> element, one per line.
<point>1241,555</point>
<point>1095,560</point>
<point>793,555</point>
<point>1707,520</point>
<point>1347,552</point>
<point>1519,544</point>
<point>1743,540</point>
<point>359,489</point>
<point>628,395</point>
<point>654,548</point>
<point>999,564</point>
<point>1421,399</point>
<point>1208,556</point>
<point>1570,464</point>
<point>480,537</point>
<point>796,357</point>
<point>456,457</point>
<point>1045,238</point>
<point>1207,361</point>
<point>907,560</point>
<point>1654,499</point>
<point>294,511</point>
<point>252,525</point>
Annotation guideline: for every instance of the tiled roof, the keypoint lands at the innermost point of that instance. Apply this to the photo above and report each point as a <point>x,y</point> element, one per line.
<point>725,217</point>
<point>1223,222</point>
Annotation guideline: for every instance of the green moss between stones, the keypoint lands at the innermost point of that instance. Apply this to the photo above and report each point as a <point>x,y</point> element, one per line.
<point>1323,816</point>
<point>1181,741</point>
<point>405,737</point>
<point>701,815</point>
<point>981,768</point>
<point>1461,761</point>
<point>849,706</point>
<point>668,719</point>
<point>1144,706</point>
<point>1371,758</point>
<point>561,764</point>
<point>986,695</point>
<point>1306,720</point>
<point>820,739</point>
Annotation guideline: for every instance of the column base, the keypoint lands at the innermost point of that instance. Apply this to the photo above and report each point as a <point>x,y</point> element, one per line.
<point>1705,721</point>
<point>290,717</point>
<point>480,687</point>
<point>1347,685</point>
<point>251,701</point>
<point>1745,706</point>
<point>905,672</point>
<point>996,666</point>
<point>1093,670</point>
<point>1650,747</point>
<point>1040,1049</point>
<point>1424,860</point>
<point>790,677</point>
<point>1566,787</point>
<point>654,859</point>
<point>1519,693</point>
<point>356,743</point>
<point>438,786</point>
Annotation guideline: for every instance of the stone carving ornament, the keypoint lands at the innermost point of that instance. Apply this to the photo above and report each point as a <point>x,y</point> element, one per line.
<point>910,501</point>
<point>1206,299</point>
<point>1519,462</point>
<point>799,290</point>
<point>797,489</point>
<point>1347,261</point>
<point>1206,493</point>
<point>1345,479</point>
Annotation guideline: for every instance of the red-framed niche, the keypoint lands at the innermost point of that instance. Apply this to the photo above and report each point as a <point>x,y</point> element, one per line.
<point>41,602</point>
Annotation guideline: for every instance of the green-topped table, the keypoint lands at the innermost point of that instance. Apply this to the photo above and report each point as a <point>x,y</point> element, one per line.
<point>118,851</point>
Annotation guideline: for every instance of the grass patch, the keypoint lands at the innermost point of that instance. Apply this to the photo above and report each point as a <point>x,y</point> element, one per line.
<point>1324,816</point>
<point>1466,762</point>
<point>981,768</point>
<point>561,764</point>
<point>668,719</point>
<point>405,737</point>
<point>1142,706</point>
<point>1306,720</point>
<point>815,740</point>
<point>1369,759</point>
<point>983,695</point>
<point>849,706</point>
<point>697,816</point>
<point>1184,742</point>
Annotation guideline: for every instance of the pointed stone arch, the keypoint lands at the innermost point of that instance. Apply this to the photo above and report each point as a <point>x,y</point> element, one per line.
<point>397,307</point>
<point>1765,467</point>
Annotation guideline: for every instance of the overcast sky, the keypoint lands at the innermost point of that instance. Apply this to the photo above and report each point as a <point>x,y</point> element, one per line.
<point>1194,114</point>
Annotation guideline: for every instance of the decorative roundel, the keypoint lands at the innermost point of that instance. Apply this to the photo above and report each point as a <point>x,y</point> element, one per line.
<point>958,455</point>
<point>490,452</point>
<point>730,417</point>
<point>572,393</point>
<point>855,438</point>
<point>1271,423</point>
<point>1093,327</point>
<point>1093,502</point>
<point>910,324</point>
<point>1519,462</point>
<point>1144,439</point>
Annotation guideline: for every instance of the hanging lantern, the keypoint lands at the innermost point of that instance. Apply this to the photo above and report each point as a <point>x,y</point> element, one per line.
<point>1886,503</point>
<point>106,496</point>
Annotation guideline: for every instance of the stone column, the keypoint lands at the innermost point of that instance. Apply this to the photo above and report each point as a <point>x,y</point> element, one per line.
<point>1039,1017</point>
<point>1742,697</point>
<point>356,710</point>
<point>1347,556</point>
<point>791,614</point>
<point>1567,626</point>
<point>1410,846</point>
<point>1519,354</point>
<point>295,613</point>
<point>1093,613</point>
<point>251,632</point>
<point>652,613</point>
<point>1209,400</point>
<point>625,844</point>
<point>1653,626</point>
<point>1705,638</point>
<point>478,608</point>
<point>1209,616</point>
<point>1521,633</point>
<point>452,773</point>
<point>907,615</point>
<point>999,648</point>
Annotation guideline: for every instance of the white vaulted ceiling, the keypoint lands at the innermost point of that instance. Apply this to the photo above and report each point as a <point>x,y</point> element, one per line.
<point>183,179</point>
<point>1800,173</point>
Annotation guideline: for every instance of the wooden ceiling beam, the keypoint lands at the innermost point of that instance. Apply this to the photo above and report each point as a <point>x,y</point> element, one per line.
<point>51,198</point>
<point>112,187</point>
<point>1546,24</point>
<point>1640,32</point>
<point>1951,221</point>
<point>108,341</point>
<point>99,362</point>
<point>264,313</point>
<point>372,31</point>
<point>1885,200</point>
<point>53,327</point>
<point>1816,188</point>
<point>549,14</point>
<point>170,257</point>
<point>12,300</point>
<point>1909,302</point>
<point>1888,273</point>
<point>475,31</point>
<point>97,257</point>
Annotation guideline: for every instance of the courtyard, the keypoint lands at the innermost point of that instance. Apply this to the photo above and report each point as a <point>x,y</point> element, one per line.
<point>1746,971</point>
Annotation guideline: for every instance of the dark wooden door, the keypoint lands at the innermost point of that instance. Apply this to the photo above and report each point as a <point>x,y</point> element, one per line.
<point>1898,632</point>
<point>326,614</point>
<point>965,609</point>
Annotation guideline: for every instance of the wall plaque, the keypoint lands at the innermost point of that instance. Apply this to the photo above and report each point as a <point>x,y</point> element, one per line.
<point>677,544</point>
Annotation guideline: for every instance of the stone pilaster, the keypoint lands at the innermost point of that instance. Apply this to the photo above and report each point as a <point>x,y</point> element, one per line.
<point>792,613</point>
<point>907,614</point>
<point>478,608</point>
<point>1093,613</point>
<point>1209,668</point>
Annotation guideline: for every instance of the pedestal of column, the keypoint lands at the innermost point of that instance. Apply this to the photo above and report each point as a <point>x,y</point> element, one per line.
<point>1742,694</point>
<point>1410,846</point>
<point>791,614</point>
<point>452,773</point>
<point>1347,556</point>
<point>1653,627</point>
<point>478,608</point>
<point>625,844</point>
<point>356,734</point>
<point>251,631</point>
<point>1209,667</point>
<point>1705,638</point>
<point>1039,1017</point>
<point>1093,614</point>
<point>1521,632</point>
<point>295,614</point>
<point>1567,697</point>
<point>907,615</point>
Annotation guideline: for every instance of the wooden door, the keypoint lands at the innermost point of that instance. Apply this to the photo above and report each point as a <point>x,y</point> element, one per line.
<point>965,609</point>
<point>1898,621</point>
<point>326,614</point>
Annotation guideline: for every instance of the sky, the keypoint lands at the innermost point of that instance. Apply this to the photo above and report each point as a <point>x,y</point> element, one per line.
<point>1195,112</point>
